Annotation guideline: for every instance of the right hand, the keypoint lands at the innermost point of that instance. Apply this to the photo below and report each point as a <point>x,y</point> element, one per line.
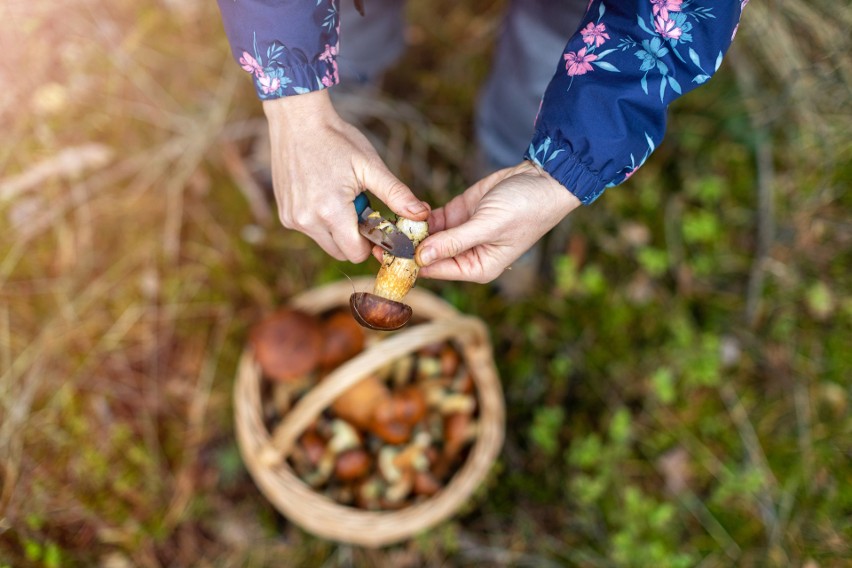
<point>320,163</point>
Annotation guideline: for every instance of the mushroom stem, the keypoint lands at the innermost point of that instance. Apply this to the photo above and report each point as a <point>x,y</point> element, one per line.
<point>397,275</point>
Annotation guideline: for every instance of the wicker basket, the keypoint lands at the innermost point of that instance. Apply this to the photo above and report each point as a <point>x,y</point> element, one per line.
<point>265,453</point>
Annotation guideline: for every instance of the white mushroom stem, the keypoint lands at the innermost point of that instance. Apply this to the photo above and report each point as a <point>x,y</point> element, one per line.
<point>397,275</point>
<point>343,437</point>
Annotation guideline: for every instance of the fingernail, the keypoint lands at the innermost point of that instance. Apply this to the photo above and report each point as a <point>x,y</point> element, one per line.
<point>427,256</point>
<point>418,209</point>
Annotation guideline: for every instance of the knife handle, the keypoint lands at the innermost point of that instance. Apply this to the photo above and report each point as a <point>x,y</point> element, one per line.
<point>361,203</point>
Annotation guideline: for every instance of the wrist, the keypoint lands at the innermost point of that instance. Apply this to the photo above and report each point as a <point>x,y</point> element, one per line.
<point>564,196</point>
<point>314,107</point>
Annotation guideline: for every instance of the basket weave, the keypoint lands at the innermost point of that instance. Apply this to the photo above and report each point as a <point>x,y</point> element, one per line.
<point>265,454</point>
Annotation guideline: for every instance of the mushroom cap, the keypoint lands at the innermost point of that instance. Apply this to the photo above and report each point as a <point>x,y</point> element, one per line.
<point>387,425</point>
<point>375,312</point>
<point>352,464</point>
<point>287,344</point>
<point>343,339</point>
<point>410,405</point>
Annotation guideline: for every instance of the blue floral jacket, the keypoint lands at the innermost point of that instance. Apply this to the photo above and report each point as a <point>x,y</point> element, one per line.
<point>603,112</point>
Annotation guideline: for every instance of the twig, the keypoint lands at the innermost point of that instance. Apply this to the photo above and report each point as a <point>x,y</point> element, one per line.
<point>69,163</point>
<point>711,524</point>
<point>757,457</point>
<point>765,183</point>
<point>246,183</point>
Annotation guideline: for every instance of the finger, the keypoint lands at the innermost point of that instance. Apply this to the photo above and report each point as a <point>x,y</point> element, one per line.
<point>351,243</point>
<point>378,253</point>
<point>395,194</point>
<point>474,265</point>
<point>326,242</point>
<point>452,242</point>
<point>437,220</point>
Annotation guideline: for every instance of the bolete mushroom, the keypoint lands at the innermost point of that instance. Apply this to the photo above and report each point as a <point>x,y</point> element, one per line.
<point>287,344</point>
<point>358,404</point>
<point>383,310</point>
<point>343,339</point>
<point>352,464</point>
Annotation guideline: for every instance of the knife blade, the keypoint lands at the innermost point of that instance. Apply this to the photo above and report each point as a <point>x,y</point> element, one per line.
<point>380,231</point>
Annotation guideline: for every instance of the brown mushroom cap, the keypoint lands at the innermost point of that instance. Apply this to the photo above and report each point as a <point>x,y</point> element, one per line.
<point>425,483</point>
<point>375,312</point>
<point>287,344</point>
<point>357,404</point>
<point>352,464</point>
<point>387,425</point>
<point>343,339</point>
<point>410,405</point>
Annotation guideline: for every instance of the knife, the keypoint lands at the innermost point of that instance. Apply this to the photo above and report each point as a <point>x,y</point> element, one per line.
<point>380,231</point>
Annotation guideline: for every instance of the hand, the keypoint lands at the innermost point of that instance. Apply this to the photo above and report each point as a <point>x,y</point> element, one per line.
<point>477,235</point>
<point>320,163</point>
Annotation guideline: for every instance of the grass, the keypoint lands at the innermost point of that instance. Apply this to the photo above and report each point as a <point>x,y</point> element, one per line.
<point>678,392</point>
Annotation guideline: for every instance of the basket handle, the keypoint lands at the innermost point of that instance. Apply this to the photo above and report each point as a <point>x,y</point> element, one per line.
<point>471,331</point>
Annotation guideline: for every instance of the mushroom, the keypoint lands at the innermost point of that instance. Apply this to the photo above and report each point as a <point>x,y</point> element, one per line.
<point>425,484</point>
<point>369,492</point>
<point>343,438</point>
<point>343,339</point>
<point>358,403</point>
<point>449,360</point>
<point>399,468</point>
<point>352,464</point>
<point>383,310</point>
<point>287,344</point>
<point>388,425</point>
<point>459,430</point>
<point>410,405</point>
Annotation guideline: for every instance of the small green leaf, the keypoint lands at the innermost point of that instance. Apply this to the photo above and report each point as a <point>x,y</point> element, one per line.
<point>655,261</point>
<point>544,431</point>
<point>820,300</point>
<point>663,384</point>
<point>619,427</point>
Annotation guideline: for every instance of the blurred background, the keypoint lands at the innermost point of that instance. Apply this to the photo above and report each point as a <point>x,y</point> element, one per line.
<point>678,387</point>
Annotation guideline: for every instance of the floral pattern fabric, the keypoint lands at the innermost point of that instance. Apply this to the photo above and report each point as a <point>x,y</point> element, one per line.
<point>603,112</point>
<point>288,46</point>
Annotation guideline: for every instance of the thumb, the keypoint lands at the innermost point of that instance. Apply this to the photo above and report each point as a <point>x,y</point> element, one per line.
<point>395,194</point>
<point>451,242</point>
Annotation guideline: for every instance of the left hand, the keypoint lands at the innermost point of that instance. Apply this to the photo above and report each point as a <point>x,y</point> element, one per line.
<point>478,234</point>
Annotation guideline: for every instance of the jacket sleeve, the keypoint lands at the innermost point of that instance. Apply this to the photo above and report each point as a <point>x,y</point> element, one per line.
<point>604,111</point>
<point>288,46</point>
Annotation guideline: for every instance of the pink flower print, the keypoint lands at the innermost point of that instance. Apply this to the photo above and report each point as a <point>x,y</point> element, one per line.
<point>579,63</point>
<point>329,53</point>
<point>630,174</point>
<point>667,28</point>
<point>594,34</point>
<point>268,84</point>
<point>662,7</point>
<point>250,64</point>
